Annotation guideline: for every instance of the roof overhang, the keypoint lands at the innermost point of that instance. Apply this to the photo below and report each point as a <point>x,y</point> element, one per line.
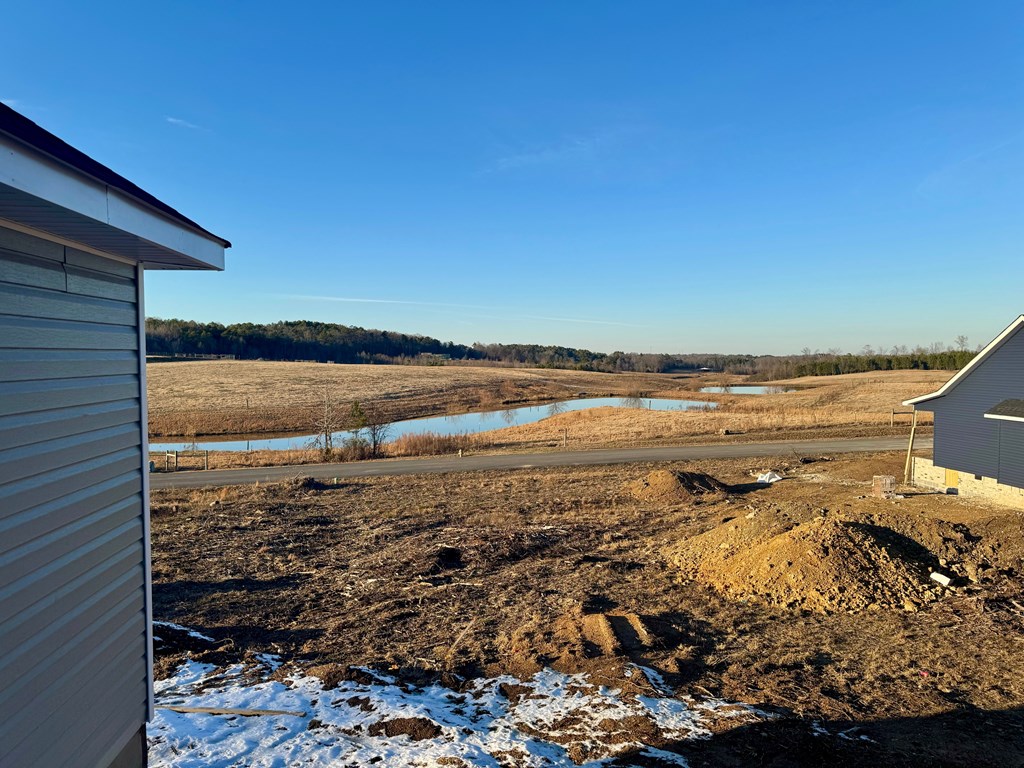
<point>40,193</point>
<point>977,360</point>
<point>1007,410</point>
<point>1004,418</point>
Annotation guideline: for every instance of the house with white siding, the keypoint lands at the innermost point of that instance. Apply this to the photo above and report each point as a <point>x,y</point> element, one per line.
<point>979,424</point>
<point>75,597</point>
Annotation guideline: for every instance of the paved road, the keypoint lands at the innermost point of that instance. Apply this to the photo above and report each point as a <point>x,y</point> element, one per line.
<point>442,464</point>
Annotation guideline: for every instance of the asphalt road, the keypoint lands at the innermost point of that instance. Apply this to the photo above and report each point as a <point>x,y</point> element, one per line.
<point>443,464</point>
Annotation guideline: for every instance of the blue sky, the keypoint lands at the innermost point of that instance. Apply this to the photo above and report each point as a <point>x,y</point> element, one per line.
<point>645,176</point>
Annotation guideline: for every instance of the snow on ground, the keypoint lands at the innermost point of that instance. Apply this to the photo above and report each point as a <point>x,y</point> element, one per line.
<point>157,625</point>
<point>546,720</point>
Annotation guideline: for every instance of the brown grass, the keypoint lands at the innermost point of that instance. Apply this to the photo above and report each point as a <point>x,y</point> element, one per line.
<point>859,403</point>
<point>828,406</point>
<point>219,397</point>
<point>429,444</point>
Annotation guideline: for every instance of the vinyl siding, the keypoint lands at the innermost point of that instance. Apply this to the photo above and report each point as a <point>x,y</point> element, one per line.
<point>964,439</point>
<point>1011,453</point>
<point>72,551</point>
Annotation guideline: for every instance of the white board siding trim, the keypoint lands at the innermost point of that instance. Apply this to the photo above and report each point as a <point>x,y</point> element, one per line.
<point>1003,418</point>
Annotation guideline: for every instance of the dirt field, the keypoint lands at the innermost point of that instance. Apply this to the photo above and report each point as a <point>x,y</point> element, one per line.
<point>249,397</point>
<point>807,598</point>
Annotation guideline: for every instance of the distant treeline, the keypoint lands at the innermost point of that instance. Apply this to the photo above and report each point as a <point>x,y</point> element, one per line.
<point>833,364</point>
<point>293,340</point>
<point>330,342</point>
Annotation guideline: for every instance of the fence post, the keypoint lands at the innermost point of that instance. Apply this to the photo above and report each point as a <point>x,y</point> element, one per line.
<point>206,460</point>
<point>910,450</point>
<point>892,417</point>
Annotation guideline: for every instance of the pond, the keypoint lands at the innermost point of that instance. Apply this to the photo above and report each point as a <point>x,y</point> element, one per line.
<point>462,424</point>
<point>748,389</point>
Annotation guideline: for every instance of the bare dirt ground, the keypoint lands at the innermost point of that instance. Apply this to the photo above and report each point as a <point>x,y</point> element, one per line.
<point>215,397</point>
<point>808,598</point>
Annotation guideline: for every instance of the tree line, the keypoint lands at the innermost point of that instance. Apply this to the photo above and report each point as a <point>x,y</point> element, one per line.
<point>332,342</point>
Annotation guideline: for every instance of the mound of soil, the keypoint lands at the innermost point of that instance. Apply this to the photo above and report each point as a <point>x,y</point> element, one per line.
<point>663,485</point>
<point>834,562</point>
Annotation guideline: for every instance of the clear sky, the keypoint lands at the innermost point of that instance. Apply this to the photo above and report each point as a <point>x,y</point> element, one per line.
<point>645,176</point>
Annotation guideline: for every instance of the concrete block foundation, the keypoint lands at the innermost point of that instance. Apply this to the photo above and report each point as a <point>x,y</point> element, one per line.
<point>924,474</point>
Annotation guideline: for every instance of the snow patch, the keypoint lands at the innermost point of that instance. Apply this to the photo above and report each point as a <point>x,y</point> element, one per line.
<point>552,718</point>
<point>186,630</point>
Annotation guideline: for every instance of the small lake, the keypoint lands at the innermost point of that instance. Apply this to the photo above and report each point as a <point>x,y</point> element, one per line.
<point>462,424</point>
<point>747,389</point>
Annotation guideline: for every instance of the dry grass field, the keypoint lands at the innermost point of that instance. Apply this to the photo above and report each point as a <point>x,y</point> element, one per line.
<point>853,404</point>
<point>219,397</point>
<point>251,397</point>
<point>808,599</point>
<point>193,399</point>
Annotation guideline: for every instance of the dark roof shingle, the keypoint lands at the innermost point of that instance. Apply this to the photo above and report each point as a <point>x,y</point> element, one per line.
<point>1012,408</point>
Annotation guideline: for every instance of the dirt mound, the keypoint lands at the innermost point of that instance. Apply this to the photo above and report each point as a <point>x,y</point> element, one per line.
<point>663,485</point>
<point>833,562</point>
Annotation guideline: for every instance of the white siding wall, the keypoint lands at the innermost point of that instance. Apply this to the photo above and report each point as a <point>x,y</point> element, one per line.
<point>72,550</point>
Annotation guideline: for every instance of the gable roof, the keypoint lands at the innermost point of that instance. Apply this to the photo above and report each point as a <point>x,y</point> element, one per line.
<point>19,127</point>
<point>976,361</point>
<point>1009,410</point>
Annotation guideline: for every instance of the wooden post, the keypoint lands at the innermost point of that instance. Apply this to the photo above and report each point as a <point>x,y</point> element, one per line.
<point>565,437</point>
<point>206,461</point>
<point>910,450</point>
<point>892,418</point>
<point>175,461</point>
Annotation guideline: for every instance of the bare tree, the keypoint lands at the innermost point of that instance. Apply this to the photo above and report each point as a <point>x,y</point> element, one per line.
<point>369,423</point>
<point>377,433</point>
<point>326,421</point>
<point>961,342</point>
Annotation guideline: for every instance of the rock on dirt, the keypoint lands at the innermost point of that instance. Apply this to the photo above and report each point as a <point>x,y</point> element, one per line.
<point>664,485</point>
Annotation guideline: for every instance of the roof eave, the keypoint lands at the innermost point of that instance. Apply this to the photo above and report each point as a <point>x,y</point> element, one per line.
<point>42,194</point>
<point>922,399</point>
<point>1002,417</point>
